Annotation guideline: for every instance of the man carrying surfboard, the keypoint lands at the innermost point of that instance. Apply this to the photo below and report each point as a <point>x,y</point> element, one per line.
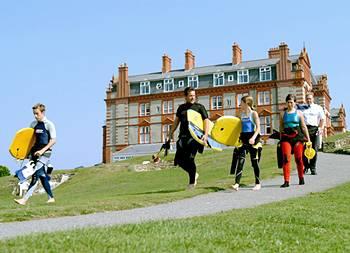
<point>45,132</point>
<point>186,146</point>
<point>250,138</point>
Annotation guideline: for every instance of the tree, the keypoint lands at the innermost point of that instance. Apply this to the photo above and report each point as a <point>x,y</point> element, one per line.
<point>4,171</point>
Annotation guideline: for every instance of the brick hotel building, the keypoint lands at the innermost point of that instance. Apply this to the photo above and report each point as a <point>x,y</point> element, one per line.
<point>141,108</point>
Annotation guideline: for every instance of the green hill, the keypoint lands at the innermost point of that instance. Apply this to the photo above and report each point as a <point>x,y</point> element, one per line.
<point>117,186</point>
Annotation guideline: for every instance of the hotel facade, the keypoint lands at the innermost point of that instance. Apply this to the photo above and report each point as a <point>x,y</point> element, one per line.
<point>140,109</point>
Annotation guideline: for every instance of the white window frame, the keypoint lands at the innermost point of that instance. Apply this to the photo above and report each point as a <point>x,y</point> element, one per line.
<point>264,125</point>
<point>264,97</point>
<point>228,102</point>
<point>165,131</point>
<point>230,78</point>
<point>241,74</point>
<point>217,77</point>
<point>145,134</point>
<point>193,81</point>
<point>168,106</point>
<point>181,83</point>
<point>215,100</point>
<point>145,88</point>
<point>159,86</point>
<point>263,71</point>
<point>145,109</point>
<point>168,85</point>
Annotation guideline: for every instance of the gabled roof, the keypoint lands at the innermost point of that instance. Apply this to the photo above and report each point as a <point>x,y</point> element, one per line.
<point>335,112</point>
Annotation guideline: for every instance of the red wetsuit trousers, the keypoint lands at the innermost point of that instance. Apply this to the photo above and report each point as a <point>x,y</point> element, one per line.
<point>298,149</point>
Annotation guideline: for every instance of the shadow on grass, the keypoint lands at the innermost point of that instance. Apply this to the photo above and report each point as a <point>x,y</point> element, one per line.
<point>214,188</point>
<point>156,192</point>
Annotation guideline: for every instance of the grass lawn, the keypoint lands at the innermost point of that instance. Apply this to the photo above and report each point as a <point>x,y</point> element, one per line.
<point>336,137</point>
<point>116,187</point>
<point>318,222</point>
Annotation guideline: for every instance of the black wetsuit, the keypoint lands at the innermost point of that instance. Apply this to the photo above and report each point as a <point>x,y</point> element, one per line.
<point>186,146</point>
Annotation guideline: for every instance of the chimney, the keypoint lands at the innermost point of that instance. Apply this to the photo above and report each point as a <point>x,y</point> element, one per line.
<point>166,66</point>
<point>274,53</point>
<point>284,65</point>
<point>123,83</point>
<point>189,60</point>
<point>236,54</point>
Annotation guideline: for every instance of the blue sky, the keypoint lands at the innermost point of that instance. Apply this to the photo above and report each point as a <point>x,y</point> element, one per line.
<point>64,53</point>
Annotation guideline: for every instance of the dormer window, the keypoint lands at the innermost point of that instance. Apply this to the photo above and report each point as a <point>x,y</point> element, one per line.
<point>193,82</point>
<point>218,79</point>
<point>168,85</point>
<point>230,78</point>
<point>243,76</point>
<point>265,74</point>
<point>145,88</point>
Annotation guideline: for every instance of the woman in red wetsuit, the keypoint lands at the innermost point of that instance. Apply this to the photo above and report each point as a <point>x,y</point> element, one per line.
<point>293,133</point>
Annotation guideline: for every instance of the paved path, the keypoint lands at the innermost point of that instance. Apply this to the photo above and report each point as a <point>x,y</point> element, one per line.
<point>333,170</point>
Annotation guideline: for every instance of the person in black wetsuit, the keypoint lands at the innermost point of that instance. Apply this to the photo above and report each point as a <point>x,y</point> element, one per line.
<point>186,146</point>
<point>250,139</point>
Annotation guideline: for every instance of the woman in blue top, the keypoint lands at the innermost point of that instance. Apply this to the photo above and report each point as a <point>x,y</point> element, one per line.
<point>250,138</point>
<point>293,133</point>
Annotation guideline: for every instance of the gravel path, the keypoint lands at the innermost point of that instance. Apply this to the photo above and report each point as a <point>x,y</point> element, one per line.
<point>333,170</point>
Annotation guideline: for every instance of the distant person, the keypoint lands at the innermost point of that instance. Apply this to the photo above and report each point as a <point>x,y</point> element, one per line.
<point>293,133</point>
<point>45,133</point>
<point>314,120</point>
<point>250,138</point>
<point>186,146</point>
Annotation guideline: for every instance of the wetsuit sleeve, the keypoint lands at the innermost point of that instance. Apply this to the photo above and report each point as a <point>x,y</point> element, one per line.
<point>33,124</point>
<point>203,112</point>
<point>178,112</point>
<point>52,129</point>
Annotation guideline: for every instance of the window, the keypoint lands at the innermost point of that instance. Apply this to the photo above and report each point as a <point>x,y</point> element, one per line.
<point>243,76</point>
<point>230,78</point>
<point>165,131</point>
<point>265,125</point>
<point>144,134</point>
<point>265,74</point>
<point>239,97</point>
<point>145,88</point>
<point>264,97</point>
<point>159,86</point>
<point>216,102</point>
<point>218,79</point>
<point>144,109</point>
<point>228,102</point>
<point>193,82</point>
<point>181,84</point>
<point>167,107</point>
<point>168,84</point>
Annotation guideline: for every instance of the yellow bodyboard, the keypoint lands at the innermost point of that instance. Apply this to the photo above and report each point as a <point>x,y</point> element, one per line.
<point>226,130</point>
<point>22,143</point>
<point>195,126</point>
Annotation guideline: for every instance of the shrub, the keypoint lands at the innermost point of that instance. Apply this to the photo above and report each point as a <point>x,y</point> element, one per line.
<point>4,171</point>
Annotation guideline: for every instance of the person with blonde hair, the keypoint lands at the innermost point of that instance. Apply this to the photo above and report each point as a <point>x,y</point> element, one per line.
<point>250,139</point>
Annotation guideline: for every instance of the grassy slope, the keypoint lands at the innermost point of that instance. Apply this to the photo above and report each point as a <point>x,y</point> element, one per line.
<point>336,137</point>
<point>115,187</point>
<point>316,223</point>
